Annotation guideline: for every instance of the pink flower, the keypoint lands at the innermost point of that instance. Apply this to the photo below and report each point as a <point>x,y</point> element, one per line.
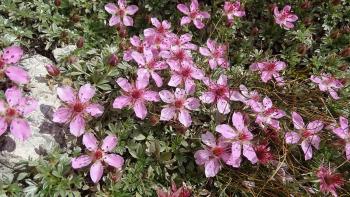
<point>263,153</point>
<point>306,134</point>
<point>173,42</point>
<point>98,156</point>
<point>138,45</point>
<point>326,82</point>
<point>285,18</point>
<point>343,133</point>
<point>251,98</point>
<point>183,191</point>
<point>219,93</point>
<point>184,75</point>
<point>77,108</point>
<point>269,69</point>
<point>149,64</point>
<point>193,14</point>
<point>8,60</point>
<point>329,180</point>
<point>241,138</point>
<point>12,113</point>
<point>177,56</point>
<point>212,154</point>
<point>216,54</point>
<point>267,114</point>
<point>52,70</point>
<point>120,13</point>
<point>178,106</point>
<point>233,9</point>
<point>135,95</point>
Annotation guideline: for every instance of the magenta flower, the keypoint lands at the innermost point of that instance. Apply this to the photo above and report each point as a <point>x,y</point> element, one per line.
<point>98,156</point>
<point>178,106</point>
<point>327,83</point>
<point>135,95</point>
<point>212,154</point>
<point>149,64</point>
<point>120,13</point>
<point>267,115</point>
<point>285,18</point>
<point>233,9</point>
<point>193,14</point>
<point>330,181</point>
<point>307,135</point>
<point>8,60</point>
<point>240,138</point>
<point>184,75</point>
<point>137,45</point>
<point>12,113</point>
<point>343,133</point>
<point>216,54</point>
<point>270,69</point>
<point>77,108</point>
<point>219,93</point>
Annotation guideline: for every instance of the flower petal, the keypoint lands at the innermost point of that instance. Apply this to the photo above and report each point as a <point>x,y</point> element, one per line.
<point>140,109</point>
<point>212,168</point>
<point>167,113</point>
<point>66,94</point>
<point>111,8</point>
<point>17,74</point>
<point>81,161</point>
<point>86,92</point>
<point>114,160</point>
<point>96,171</point>
<point>121,102</point>
<point>298,121</point>
<point>307,149</point>
<point>94,110</point>
<point>167,96</point>
<point>202,156</point>
<point>124,84</point>
<point>77,125</point>
<point>20,129</point>
<point>192,103</point>
<point>208,139</point>
<point>109,143</point>
<point>249,153</point>
<point>62,115</point>
<point>90,142</point>
<point>151,96</point>
<point>226,131</point>
<point>223,106</point>
<point>292,137</point>
<point>13,96</point>
<point>185,118</point>
<point>131,10</point>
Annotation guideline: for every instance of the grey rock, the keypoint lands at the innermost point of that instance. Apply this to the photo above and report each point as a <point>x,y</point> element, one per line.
<point>60,53</point>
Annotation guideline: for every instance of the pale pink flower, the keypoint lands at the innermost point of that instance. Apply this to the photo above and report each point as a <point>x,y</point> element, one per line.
<point>214,151</point>
<point>161,29</point>
<point>178,106</point>
<point>240,138</point>
<point>138,45</point>
<point>12,112</point>
<point>173,42</point>
<point>305,135</point>
<point>177,56</point>
<point>185,74</point>
<point>98,155</point>
<point>267,114</point>
<point>232,10</point>
<point>149,64</point>
<point>269,69</point>
<point>327,83</point>
<point>285,18</point>
<point>77,108</point>
<point>8,65</point>
<point>193,14</point>
<point>120,13</point>
<point>219,93</point>
<point>330,181</point>
<point>216,54</point>
<point>135,95</point>
<point>250,98</point>
<point>343,133</point>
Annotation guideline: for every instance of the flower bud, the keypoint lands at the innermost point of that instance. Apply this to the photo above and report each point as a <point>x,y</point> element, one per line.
<point>254,31</point>
<point>305,5</point>
<point>154,120</point>
<point>335,34</point>
<point>112,60</point>
<point>302,49</point>
<point>52,70</point>
<point>345,52</point>
<point>336,2</point>
<point>80,43</point>
<point>58,3</point>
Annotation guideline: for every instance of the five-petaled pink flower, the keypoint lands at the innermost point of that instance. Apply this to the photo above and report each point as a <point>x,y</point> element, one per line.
<point>135,95</point>
<point>269,69</point>
<point>149,64</point>
<point>219,93</point>
<point>233,9</point>
<point>193,14</point>
<point>327,82</point>
<point>307,135</point>
<point>173,42</point>
<point>343,133</point>
<point>120,13</point>
<point>212,154</point>
<point>178,106</point>
<point>330,181</point>
<point>8,60</point>
<point>77,108</point>
<point>267,114</point>
<point>251,98</point>
<point>285,18</point>
<point>161,29</point>
<point>240,138</point>
<point>13,111</point>
<point>98,155</point>
<point>216,54</point>
<point>138,45</point>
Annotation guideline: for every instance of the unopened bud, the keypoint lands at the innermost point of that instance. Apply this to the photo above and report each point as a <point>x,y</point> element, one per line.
<point>52,70</point>
<point>335,34</point>
<point>58,3</point>
<point>345,52</point>
<point>80,43</point>
<point>112,60</point>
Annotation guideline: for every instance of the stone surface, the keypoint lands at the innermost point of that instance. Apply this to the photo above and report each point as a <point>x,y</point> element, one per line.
<point>44,132</point>
<point>60,53</point>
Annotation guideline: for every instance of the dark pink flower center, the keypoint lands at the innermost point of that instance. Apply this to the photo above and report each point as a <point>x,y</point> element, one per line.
<point>180,55</point>
<point>306,133</point>
<point>140,49</point>
<point>98,154</point>
<point>243,137</point>
<point>270,67</point>
<point>179,104</point>
<point>270,111</point>
<point>220,91</point>
<point>217,151</point>
<point>121,12</point>
<point>78,107</point>
<point>136,94</point>
<point>333,180</point>
<point>10,112</point>
<point>193,14</point>
<point>161,29</point>
<point>186,72</point>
